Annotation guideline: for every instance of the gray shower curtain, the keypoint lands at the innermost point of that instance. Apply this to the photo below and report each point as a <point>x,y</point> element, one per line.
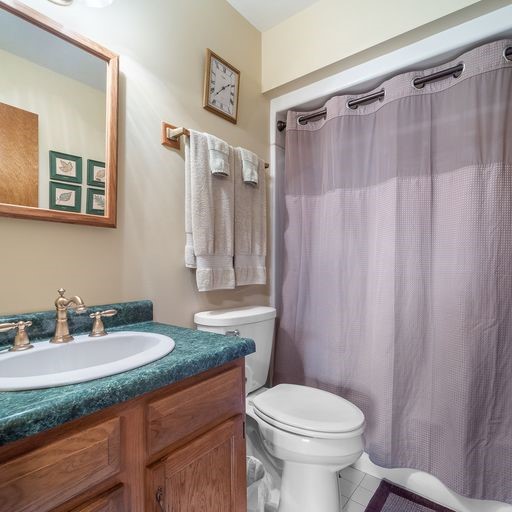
<point>397,269</point>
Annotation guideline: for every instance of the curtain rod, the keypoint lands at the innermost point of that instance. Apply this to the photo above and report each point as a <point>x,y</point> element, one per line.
<point>419,83</point>
<point>172,135</point>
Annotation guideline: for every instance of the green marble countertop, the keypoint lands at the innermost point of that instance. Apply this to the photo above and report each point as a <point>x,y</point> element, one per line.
<point>24,413</point>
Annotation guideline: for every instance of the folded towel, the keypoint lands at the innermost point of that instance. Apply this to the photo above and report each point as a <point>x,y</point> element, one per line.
<point>250,226</point>
<point>190,258</point>
<point>218,152</point>
<point>250,163</point>
<point>209,218</point>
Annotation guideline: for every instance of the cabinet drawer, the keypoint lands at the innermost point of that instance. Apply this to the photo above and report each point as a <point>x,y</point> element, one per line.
<point>112,501</point>
<point>46,477</point>
<point>189,410</point>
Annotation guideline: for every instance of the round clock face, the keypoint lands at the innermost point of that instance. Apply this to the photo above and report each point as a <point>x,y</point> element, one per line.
<point>223,92</point>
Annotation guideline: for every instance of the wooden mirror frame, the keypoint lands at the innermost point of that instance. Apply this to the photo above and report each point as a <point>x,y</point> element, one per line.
<point>112,60</point>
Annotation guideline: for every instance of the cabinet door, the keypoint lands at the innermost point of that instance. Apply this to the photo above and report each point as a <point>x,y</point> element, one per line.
<point>206,475</point>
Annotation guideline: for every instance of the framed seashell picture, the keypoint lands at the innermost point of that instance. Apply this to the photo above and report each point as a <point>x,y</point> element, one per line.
<point>65,197</point>
<point>64,167</point>
<point>96,174</point>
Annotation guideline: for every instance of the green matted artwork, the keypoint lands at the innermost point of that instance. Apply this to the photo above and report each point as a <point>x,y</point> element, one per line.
<point>95,201</point>
<point>64,197</point>
<point>64,167</point>
<point>96,174</point>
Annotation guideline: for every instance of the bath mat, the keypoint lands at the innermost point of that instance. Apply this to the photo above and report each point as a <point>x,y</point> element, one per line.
<point>391,498</point>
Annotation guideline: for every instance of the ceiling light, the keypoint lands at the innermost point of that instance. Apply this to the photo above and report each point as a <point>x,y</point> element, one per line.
<point>62,2</point>
<point>97,3</point>
<point>88,3</point>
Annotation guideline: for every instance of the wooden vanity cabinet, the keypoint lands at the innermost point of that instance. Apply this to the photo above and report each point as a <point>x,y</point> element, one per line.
<point>180,449</point>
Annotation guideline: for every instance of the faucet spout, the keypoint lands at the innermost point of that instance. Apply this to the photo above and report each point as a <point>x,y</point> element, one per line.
<point>77,304</point>
<point>62,304</point>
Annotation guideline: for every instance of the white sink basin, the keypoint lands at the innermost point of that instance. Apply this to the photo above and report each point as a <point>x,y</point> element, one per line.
<point>48,365</point>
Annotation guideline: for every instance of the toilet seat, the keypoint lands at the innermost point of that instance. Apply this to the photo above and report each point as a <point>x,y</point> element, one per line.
<point>308,433</point>
<point>309,412</point>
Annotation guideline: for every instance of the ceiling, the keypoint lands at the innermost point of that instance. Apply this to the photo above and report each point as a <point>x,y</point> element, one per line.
<point>265,14</point>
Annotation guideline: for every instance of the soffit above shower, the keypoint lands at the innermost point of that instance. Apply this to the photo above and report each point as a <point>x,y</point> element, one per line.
<point>265,14</point>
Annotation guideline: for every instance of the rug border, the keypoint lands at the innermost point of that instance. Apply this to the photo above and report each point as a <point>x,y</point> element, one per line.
<point>386,488</point>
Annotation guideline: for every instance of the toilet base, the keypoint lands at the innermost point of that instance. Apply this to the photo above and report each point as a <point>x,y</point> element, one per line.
<point>309,487</point>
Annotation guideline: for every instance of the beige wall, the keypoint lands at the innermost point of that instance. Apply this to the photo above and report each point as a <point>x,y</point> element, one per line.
<point>332,30</point>
<point>161,44</point>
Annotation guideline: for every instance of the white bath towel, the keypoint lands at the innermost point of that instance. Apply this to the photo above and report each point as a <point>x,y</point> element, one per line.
<point>218,155</point>
<point>190,259</point>
<point>209,218</point>
<point>250,163</point>
<point>250,226</point>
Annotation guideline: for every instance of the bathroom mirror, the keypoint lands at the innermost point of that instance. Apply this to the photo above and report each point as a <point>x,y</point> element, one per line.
<point>58,122</point>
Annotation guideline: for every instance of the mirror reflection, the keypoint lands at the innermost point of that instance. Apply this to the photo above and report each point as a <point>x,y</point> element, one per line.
<point>52,121</point>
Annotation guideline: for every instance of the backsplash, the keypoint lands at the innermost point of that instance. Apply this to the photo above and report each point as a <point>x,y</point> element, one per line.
<point>43,322</point>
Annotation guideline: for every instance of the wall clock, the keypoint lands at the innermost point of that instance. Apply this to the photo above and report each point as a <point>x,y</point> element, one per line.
<point>221,87</point>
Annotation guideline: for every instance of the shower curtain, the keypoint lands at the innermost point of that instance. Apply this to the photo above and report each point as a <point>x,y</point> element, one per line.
<point>397,269</point>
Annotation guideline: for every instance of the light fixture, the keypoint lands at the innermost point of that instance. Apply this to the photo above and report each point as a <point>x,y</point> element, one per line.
<point>97,3</point>
<point>88,3</point>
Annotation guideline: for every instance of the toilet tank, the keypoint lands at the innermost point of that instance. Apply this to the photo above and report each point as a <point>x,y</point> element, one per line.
<point>255,322</point>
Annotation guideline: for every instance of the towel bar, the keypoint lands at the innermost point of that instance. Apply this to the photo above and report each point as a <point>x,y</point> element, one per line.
<point>171,136</point>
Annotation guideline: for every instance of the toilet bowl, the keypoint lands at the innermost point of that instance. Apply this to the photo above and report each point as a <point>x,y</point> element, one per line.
<point>312,433</point>
<point>315,434</point>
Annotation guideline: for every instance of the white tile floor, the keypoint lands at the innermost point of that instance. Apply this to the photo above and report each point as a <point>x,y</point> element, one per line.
<point>356,489</point>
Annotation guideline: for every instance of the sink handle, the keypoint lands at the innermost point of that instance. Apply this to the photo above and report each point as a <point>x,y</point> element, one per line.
<point>107,312</point>
<point>7,327</point>
<point>98,329</point>
<point>21,341</point>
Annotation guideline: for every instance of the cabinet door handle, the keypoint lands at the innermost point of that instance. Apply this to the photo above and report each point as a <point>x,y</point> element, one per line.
<point>159,496</point>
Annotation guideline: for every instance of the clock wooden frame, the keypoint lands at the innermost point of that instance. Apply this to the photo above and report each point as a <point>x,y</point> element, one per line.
<point>207,69</point>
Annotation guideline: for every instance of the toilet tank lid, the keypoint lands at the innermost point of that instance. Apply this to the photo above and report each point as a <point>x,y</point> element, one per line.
<point>234,316</point>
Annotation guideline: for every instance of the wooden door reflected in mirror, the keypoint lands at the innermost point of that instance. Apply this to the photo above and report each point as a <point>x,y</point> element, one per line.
<point>58,122</point>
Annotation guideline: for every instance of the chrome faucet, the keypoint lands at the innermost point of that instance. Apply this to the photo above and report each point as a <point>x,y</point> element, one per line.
<point>61,325</point>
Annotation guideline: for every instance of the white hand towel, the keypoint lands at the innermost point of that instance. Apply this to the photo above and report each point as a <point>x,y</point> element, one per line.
<point>250,163</point>
<point>250,226</point>
<point>210,214</point>
<point>218,152</point>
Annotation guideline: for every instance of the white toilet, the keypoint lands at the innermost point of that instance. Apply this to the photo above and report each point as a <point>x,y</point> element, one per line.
<point>313,433</point>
